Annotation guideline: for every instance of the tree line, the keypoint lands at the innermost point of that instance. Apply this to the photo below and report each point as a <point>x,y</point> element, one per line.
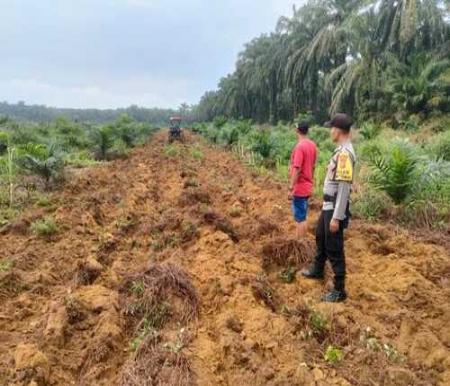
<point>38,113</point>
<point>374,59</point>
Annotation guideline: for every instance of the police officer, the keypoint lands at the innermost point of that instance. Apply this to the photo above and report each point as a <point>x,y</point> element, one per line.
<point>335,213</point>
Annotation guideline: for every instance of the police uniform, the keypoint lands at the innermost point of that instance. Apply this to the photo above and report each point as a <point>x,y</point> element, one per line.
<point>337,188</point>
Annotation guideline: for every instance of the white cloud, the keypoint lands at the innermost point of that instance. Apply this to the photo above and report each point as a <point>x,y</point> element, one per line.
<point>108,53</point>
<point>143,92</point>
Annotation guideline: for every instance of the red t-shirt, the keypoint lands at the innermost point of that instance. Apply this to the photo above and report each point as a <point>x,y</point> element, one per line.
<point>303,156</point>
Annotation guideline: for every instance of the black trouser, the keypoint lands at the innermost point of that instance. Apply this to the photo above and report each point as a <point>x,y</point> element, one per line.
<point>331,246</point>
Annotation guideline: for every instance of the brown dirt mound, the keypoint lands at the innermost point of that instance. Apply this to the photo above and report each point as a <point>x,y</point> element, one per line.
<point>87,271</point>
<point>193,196</point>
<point>287,252</point>
<point>221,224</point>
<point>242,332</point>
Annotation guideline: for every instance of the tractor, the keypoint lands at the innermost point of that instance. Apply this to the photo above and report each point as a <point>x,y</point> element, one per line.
<point>175,131</point>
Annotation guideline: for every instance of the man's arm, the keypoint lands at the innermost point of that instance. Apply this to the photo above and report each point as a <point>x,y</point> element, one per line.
<point>294,178</point>
<point>343,195</point>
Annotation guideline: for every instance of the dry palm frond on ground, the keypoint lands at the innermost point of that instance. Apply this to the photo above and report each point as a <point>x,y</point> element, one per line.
<point>158,285</point>
<point>287,252</point>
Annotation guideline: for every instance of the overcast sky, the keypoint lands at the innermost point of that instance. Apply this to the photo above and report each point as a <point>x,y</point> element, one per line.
<point>111,53</point>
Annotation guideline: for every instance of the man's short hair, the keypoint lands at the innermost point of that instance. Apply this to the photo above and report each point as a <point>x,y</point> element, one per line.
<point>340,121</point>
<point>303,127</point>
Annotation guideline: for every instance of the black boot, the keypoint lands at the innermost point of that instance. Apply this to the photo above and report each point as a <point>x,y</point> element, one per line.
<point>334,297</point>
<point>338,294</point>
<point>314,272</point>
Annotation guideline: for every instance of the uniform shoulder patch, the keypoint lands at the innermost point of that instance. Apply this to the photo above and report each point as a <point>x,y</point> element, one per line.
<point>344,167</point>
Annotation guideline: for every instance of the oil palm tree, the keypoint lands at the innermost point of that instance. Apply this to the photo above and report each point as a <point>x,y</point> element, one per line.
<point>417,86</point>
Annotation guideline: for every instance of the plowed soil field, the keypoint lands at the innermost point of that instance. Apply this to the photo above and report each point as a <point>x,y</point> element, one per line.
<point>172,267</point>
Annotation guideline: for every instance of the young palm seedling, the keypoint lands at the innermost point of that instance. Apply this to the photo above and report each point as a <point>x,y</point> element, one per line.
<point>46,163</point>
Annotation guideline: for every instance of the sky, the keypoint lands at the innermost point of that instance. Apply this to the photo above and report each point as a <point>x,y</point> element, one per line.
<point>115,53</point>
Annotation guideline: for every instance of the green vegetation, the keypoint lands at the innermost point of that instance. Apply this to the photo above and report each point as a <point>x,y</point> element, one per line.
<point>383,60</point>
<point>333,355</point>
<point>400,175</point>
<point>34,157</point>
<point>45,227</point>
<point>288,275</point>
<point>386,63</point>
<point>172,150</point>
<point>42,200</point>
<point>35,113</point>
<point>6,265</point>
<point>197,154</point>
<point>317,321</point>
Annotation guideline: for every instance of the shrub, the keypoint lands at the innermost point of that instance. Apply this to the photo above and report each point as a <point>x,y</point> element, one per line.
<point>103,140</point>
<point>213,134</point>
<point>319,134</point>
<point>369,130</point>
<point>43,200</point>
<point>317,321</point>
<point>333,354</point>
<point>395,172</point>
<point>440,146</point>
<point>45,227</point>
<point>118,150</point>
<point>288,275</point>
<point>45,162</point>
<point>172,151</point>
<point>370,204</point>
<point>261,143</point>
<point>229,135</point>
<point>197,154</point>
<point>200,128</point>
<point>6,265</point>
<point>4,140</point>
<point>370,150</point>
<point>220,121</point>
<point>80,159</point>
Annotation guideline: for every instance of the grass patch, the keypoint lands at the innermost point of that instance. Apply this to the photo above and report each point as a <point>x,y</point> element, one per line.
<point>6,265</point>
<point>333,355</point>
<point>43,200</point>
<point>45,227</point>
<point>197,154</point>
<point>172,150</point>
<point>288,275</point>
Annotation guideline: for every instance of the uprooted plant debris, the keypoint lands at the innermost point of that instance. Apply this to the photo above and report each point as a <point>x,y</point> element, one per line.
<point>155,363</point>
<point>310,323</point>
<point>287,253</point>
<point>158,284</point>
<point>87,271</point>
<point>221,224</point>
<point>264,292</point>
<point>193,196</point>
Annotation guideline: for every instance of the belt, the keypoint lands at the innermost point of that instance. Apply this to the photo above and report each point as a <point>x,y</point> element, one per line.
<point>328,198</point>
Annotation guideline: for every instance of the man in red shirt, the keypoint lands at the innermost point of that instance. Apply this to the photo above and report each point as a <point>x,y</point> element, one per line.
<point>301,171</point>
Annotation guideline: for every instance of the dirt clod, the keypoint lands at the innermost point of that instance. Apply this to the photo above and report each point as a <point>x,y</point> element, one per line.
<point>221,224</point>
<point>234,324</point>
<point>88,270</point>
<point>31,364</point>
<point>193,196</point>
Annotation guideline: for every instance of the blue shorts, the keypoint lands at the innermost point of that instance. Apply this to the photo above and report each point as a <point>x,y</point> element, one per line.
<point>300,208</point>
